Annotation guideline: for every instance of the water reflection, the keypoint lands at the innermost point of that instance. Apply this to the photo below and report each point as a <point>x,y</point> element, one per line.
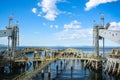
<point>73,70</point>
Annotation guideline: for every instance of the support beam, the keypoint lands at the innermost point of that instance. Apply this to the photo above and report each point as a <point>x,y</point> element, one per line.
<point>96,38</point>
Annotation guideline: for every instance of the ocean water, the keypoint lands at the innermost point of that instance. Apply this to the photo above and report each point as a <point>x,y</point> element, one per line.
<point>86,49</point>
<point>78,72</point>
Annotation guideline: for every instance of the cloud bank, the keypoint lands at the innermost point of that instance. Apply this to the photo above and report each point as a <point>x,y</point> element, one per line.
<point>48,9</point>
<point>114,26</point>
<point>73,30</point>
<point>34,10</point>
<point>93,3</point>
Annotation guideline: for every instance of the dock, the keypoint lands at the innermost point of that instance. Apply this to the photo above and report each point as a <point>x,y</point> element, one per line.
<point>60,56</point>
<point>27,75</point>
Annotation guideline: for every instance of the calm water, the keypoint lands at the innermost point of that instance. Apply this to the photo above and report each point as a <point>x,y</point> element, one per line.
<point>78,73</point>
<point>85,49</point>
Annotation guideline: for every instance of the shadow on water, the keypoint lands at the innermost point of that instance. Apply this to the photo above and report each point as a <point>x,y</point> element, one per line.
<point>77,72</point>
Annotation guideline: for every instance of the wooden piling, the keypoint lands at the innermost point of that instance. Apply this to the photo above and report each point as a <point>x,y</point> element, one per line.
<point>61,65</point>
<point>42,74</point>
<point>49,73</point>
<point>71,72</point>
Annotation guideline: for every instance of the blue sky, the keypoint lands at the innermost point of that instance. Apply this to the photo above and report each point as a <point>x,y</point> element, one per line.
<point>58,22</point>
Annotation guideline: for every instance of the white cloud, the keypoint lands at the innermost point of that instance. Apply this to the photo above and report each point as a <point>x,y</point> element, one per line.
<point>44,24</point>
<point>39,4</point>
<point>4,40</point>
<point>114,26</point>
<point>54,26</point>
<point>73,24</point>
<point>75,34</point>
<point>66,12</point>
<point>51,26</point>
<point>74,30</point>
<point>93,3</point>
<point>39,15</point>
<point>49,8</point>
<point>34,10</point>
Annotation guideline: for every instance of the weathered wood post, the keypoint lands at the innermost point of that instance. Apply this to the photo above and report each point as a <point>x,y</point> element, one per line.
<point>49,73</point>
<point>56,68</point>
<point>42,74</point>
<point>71,72</point>
<point>61,65</point>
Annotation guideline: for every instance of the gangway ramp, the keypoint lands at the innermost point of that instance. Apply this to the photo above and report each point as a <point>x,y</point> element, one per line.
<point>27,75</point>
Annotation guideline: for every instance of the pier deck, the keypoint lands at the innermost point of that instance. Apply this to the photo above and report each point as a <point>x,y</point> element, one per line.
<point>27,75</point>
<point>84,58</point>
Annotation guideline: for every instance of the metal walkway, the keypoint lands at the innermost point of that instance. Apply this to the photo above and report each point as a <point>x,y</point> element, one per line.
<point>27,75</point>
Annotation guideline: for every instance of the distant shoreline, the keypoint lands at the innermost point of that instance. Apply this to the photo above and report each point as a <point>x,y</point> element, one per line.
<point>4,46</point>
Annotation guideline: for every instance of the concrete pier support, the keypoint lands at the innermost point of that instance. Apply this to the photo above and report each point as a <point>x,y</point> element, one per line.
<point>49,73</point>
<point>39,62</point>
<point>118,71</point>
<point>92,65</point>
<point>10,67</point>
<point>84,63</point>
<point>73,62</point>
<point>110,68</point>
<point>71,72</point>
<point>19,67</point>
<point>42,74</point>
<point>61,65</point>
<point>96,65</point>
<point>114,68</point>
<point>26,66</point>
<point>106,67</point>
<point>36,64</point>
<point>88,63</point>
<point>65,63</point>
<point>56,68</point>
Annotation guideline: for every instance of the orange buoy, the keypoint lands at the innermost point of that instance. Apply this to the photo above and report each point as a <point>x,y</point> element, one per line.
<point>26,59</point>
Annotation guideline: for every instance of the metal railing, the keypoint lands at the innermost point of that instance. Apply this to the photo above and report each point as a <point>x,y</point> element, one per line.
<point>27,75</point>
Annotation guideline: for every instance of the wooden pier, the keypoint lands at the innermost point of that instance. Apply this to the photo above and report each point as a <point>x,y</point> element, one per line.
<point>27,75</point>
<point>113,63</point>
<point>94,62</point>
